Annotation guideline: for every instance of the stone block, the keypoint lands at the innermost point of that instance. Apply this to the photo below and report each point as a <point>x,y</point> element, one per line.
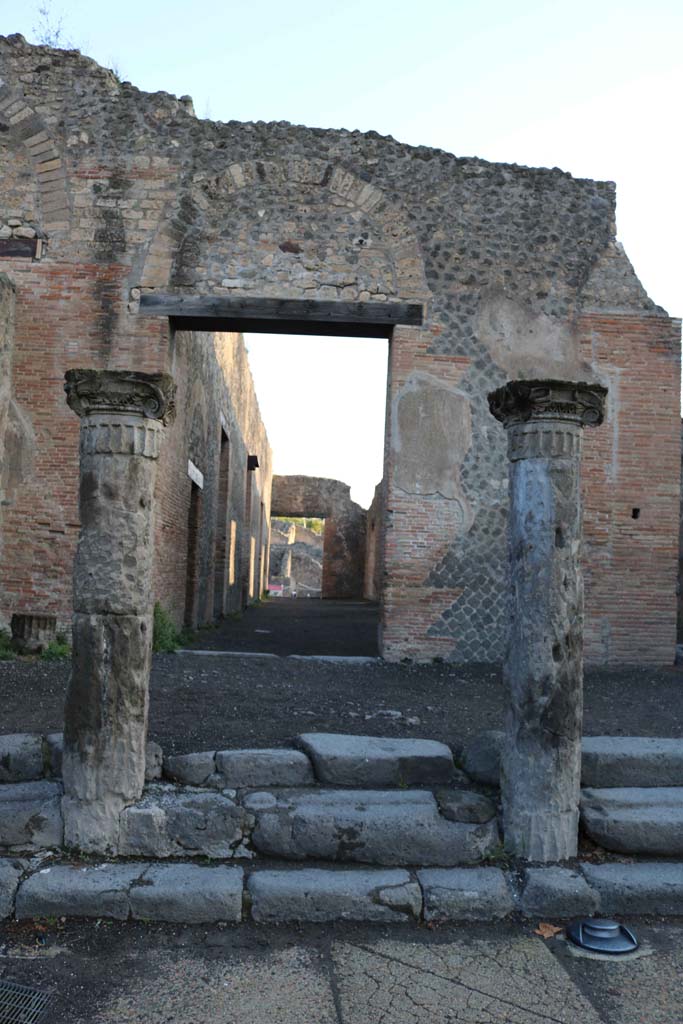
<point>169,822</point>
<point>21,757</point>
<point>622,761</point>
<point>31,816</point>
<point>100,890</point>
<point>188,893</point>
<point>465,805</point>
<point>647,821</point>
<point>481,757</point>
<point>191,769</point>
<point>315,894</point>
<point>340,760</point>
<point>10,873</point>
<point>390,827</point>
<point>465,894</point>
<point>642,888</point>
<point>557,892</point>
<point>242,768</point>
<point>55,749</point>
<point>154,759</point>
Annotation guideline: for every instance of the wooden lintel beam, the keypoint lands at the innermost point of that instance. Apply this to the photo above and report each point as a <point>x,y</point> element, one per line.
<point>213,313</point>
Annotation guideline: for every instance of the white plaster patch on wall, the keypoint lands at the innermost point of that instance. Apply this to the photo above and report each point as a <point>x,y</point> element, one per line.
<point>526,343</point>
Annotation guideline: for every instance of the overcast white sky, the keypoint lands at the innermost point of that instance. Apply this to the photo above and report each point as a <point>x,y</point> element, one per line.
<point>592,86</point>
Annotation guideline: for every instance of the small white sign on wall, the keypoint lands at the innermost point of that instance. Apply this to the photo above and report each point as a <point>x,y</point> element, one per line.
<point>195,474</point>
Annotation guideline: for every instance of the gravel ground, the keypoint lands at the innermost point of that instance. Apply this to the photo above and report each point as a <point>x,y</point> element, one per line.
<point>213,701</point>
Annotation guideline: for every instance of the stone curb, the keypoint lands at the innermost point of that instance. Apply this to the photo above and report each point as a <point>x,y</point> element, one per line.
<point>193,894</point>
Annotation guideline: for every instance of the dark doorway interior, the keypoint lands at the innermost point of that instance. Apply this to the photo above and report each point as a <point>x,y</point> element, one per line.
<point>192,576</point>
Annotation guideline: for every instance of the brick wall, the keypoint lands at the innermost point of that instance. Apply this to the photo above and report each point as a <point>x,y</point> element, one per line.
<point>517,269</point>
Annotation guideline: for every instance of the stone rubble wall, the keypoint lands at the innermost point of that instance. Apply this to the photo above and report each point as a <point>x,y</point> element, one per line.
<point>343,556</point>
<point>520,275</point>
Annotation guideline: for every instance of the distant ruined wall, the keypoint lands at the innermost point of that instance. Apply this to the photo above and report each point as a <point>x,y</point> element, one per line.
<point>344,537</point>
<point>374,546</point>
<point>517,269</point>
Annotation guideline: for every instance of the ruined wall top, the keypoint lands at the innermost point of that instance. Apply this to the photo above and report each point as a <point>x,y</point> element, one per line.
<point>133,178</point>
<point>310,497</point>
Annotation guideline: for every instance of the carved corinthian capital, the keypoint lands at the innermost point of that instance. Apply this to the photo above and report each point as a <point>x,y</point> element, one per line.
<point>527,401</point>
<point>124,392</point>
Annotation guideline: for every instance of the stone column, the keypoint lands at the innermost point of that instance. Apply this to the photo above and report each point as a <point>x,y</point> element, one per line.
<point>541,759</point>
<point>122,417</point>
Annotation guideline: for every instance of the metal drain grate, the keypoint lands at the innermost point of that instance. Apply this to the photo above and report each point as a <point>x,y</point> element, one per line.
<point>21,1005</point>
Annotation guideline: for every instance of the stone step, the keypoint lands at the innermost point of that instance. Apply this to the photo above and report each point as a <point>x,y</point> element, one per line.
<point>30,816</point>
<point>387,827</point>
<point>635,820</point>
<point>373,761</point>
<point>625,761</point>
<point>606,761</point>
<point>196,894</point>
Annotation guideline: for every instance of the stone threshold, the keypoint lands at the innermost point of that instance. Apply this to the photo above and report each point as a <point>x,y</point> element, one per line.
<point>188,893</point>
<point>339,659</point>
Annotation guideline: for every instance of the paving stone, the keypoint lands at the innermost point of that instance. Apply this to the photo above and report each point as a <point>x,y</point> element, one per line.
<point>172,822</point>
<point>10,873</point>
<point>188,893</point>
<point>369,826</point>
<point>341,760</point>
<point>481,757</point>
<point>557,892</point>
<point>470,976</point>
<point>648,821</point>
<point>465,805</point>
<point>465,894</point>
<point>622,761</point>
<point>315,894</point>
<point>94,891</point>
<point>191,769</point>
<point>31,816</point>
<point>21,757</point>
<point>654,887</point>
<point>241,768</point>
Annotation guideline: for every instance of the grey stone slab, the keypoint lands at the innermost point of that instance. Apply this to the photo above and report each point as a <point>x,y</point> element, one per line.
<point>465,805</point>
<point>186,984</point>
<point>465,894</point>
<point>55,749</point>
<point>188,893</point>
<point>557,892</point>
<point>242,768</point>
<point>648,821</point>
<point>653,887</point>
<point>173,822</point>
<point>191,769</point>
<point>154,759</point>
<point>623,761</point>
<point>10,873</point>
<point>474,976</point>
<point>315,894</point>
<point>30,815</point>
<point>481,757</point>
<point>341,760</point>
<point>21,757</point>
<point>92,891</point>
<point>390,827</point>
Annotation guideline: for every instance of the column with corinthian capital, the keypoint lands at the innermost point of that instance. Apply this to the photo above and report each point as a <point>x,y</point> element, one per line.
<point>122,418</point>
<point>541,758</point>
